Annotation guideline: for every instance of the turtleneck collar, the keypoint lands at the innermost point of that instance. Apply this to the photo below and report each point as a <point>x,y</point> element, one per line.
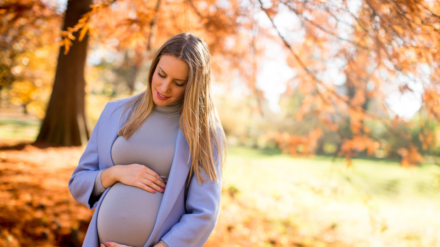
<point>170,109</point>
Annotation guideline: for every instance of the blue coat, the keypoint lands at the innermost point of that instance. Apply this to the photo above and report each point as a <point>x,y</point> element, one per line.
<point>180,221</point>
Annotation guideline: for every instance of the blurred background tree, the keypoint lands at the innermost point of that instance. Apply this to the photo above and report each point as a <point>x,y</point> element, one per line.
<point>27,54</point>
<point>378,49</point>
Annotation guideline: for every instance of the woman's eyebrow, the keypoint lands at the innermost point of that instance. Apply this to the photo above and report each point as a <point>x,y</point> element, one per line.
<point>162,70</point>
<point>166,74</point>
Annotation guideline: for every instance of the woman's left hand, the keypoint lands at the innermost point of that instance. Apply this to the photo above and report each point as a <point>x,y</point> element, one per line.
<point>112,244</point>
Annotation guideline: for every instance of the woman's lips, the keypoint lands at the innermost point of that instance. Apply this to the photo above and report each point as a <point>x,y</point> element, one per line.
<point>161,97</point>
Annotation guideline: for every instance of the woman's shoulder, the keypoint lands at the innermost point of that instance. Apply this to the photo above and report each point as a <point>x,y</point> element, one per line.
<point>122,101</point>
<point>119,102</point>
<point>115,108</point>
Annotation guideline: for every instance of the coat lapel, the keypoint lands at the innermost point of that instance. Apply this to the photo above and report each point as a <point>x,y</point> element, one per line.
<point>176,182</point>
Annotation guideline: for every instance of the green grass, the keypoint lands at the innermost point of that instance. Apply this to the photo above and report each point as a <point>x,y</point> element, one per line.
<point>382,179</point>
<point>18,130</point>
<point>378,198</point>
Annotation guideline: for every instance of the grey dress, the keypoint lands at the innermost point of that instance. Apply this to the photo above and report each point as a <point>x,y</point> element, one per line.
<point>127,214</point>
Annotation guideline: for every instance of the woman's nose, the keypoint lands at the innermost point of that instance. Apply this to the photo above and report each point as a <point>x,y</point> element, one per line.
<point>165,86</point>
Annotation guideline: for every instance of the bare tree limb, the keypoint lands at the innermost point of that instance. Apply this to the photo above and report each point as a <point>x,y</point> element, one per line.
<point>323,29</point>
<point>153,26</point>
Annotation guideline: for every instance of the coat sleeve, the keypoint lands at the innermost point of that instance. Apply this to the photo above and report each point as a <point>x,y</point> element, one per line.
<point>82,182</point>
<point>202,210</point>
<point>99,188</point>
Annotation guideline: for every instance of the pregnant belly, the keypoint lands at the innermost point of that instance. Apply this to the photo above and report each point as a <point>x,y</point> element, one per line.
<point>127,215</point>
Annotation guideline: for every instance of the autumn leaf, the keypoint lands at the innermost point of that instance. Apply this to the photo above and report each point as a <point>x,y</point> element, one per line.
<point>83,32</point>
<point>67,44</point>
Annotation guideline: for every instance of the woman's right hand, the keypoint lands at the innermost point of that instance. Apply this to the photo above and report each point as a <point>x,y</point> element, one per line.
<point>139,176</point>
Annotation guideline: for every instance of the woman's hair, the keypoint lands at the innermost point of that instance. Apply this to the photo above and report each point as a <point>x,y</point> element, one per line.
<point>199,121</point>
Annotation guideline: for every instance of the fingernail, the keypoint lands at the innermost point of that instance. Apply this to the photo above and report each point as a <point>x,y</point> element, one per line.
<point>108,243</point>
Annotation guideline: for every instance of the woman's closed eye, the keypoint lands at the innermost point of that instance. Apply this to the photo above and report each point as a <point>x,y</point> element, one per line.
<point>163,76</point>
<point>180,85</point>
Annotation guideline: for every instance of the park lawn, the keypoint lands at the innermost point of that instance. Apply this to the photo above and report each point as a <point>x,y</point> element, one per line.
<point>14,130</point>
<point>24,128</point>
<point>318,202</point>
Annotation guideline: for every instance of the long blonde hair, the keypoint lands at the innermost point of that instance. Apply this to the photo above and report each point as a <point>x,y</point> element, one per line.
<point>199,121</point>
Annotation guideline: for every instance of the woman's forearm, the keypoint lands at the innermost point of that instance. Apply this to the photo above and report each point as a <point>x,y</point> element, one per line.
<point>109,176</point>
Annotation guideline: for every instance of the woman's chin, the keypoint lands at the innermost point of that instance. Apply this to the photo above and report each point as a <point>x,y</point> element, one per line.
<point>161,102</point>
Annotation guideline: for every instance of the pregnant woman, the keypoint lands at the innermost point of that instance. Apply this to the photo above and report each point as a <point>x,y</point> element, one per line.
<point>152,167</point>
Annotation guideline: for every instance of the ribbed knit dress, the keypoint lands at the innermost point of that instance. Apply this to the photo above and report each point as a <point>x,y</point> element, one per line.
<point>127,214</point>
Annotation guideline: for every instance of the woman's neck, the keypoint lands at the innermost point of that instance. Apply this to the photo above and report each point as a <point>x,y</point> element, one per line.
<point>169,109</point>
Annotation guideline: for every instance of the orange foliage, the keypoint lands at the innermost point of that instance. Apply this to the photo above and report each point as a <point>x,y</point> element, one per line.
<point>410,156</point>
<point>431,99</point>
<point>350,147</point>
<point>145,26</point>
<point>382,48</point>
<point>303,145</point>
<point>379,48</point>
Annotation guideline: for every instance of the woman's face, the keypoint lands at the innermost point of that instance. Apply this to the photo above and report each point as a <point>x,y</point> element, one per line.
<point>169,80</point>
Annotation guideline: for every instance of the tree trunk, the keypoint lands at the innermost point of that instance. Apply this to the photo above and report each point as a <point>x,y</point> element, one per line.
<point>65,121</point>
<point>130,69</point>
<point>25,111</point>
